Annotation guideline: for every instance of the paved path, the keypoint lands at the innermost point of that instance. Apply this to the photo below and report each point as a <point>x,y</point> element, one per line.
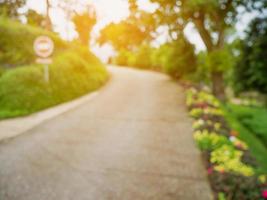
<point>131,142</point>
<point>13,127</point>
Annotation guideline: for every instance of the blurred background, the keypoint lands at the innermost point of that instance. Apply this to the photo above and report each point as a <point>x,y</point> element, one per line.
<point>216,49</point>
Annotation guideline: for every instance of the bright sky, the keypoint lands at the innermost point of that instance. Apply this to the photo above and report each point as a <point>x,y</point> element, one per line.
<point>112,11</point>
<point>107,11</point>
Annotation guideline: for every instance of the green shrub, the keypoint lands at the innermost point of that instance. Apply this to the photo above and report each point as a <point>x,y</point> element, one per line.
<point>176,59</point>
<point>73,73</point>
<point>250,72</point>
<point>16,43</point>
<point>227,158</point>
<point>2,71</point>
<point>122,58</point>
<point>210,141</point>
<point>235,186</point>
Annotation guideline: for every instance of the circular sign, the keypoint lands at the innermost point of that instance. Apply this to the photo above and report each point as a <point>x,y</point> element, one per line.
<point>43,46</point>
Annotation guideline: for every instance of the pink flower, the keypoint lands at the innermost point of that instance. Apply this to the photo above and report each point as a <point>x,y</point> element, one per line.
<point>264,194</point>
<point>210,170</point>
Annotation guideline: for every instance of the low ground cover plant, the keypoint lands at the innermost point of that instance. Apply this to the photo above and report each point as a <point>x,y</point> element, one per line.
<point>233,172</point>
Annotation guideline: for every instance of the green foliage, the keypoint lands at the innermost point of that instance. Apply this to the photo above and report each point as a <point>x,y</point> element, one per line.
<point>176,59</point>
<point>212,19</point>
<point>84,24</point>
<point>195,97</point>
<point>142,58</point>
<point>210,141</point>
<point>231,186</point>
<point>2,71</point>
<point>16,43</point>
<point>73,73</point>
<point>232,171</point>
<point>122,36</point>
<point>122,58</point>
<point>252,118</point>
<point>227,158</point>
<point>9,8</point>
<point>34,18</point>
<point>251,71</point>
<point>256,146</point>
<point>131,33</point>
<point>221,60</point>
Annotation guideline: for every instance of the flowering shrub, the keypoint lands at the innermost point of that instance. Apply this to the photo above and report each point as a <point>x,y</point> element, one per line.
<point>227,158</point>
<point>231,168</point>
<point>198,112</point>
<point>209,141</point>
<point>201,99</point>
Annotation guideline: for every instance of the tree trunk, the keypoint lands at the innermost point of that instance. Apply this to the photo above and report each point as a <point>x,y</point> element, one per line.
<point>218,85</point>
<point>216,77</point>
<point>48,24</point>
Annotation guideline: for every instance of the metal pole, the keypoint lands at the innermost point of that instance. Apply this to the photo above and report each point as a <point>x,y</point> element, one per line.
<point>46,73</point>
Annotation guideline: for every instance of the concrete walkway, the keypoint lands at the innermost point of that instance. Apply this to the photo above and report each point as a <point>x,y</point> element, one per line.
<point>13,127</point>
<point>131,142</point>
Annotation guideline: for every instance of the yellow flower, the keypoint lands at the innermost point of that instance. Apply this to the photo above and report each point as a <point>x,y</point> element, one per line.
<point>262,179</point>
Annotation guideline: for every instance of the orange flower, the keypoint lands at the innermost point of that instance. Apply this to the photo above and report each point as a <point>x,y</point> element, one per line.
<point>234,133</point>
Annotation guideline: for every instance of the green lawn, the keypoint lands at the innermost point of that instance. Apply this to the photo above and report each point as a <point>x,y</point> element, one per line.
<point>251,124</point>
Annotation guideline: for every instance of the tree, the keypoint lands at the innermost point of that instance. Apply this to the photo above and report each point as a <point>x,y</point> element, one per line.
<point>122,36</point>
<point>10,8</point>
<point>84,24</point>
<point>251,70</point>
<point>68,7</point>
<point>48,22</point>
<point>139,27</point>
<point>211,18</point>
<point>34,18</point>
<point>177,58</point>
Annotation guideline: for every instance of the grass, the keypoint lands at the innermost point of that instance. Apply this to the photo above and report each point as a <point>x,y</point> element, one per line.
<point>250,123</point>
<point>254,118</point>
<point>74,72</point>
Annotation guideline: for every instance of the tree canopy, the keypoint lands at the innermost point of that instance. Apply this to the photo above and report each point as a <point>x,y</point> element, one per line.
<point>34,18</point>
<point>251,70</point>
<point>10,8</point>
<point>84,24</point>
<point>122,35</point>
<point>130,33</point>
<point>211,18</point>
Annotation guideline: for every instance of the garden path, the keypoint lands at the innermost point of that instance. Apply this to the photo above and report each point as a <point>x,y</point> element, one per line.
<point>132,141</point>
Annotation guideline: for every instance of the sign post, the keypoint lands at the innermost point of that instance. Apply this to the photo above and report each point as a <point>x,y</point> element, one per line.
<point>44,47</point>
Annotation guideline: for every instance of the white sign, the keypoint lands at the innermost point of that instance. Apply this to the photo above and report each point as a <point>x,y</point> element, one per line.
<point>45,61</point>
<point>43,46</point>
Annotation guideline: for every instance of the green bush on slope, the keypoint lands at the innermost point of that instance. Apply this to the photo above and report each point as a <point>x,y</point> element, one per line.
<point>16,43</point>
<point>74,71</point>
<point>23,90</point>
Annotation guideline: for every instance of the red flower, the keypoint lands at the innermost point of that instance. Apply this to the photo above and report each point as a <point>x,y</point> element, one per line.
<point>210,170</point>
<point>264,194</point>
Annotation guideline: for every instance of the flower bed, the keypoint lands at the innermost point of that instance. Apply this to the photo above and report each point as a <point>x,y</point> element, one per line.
<point>231,169</point>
